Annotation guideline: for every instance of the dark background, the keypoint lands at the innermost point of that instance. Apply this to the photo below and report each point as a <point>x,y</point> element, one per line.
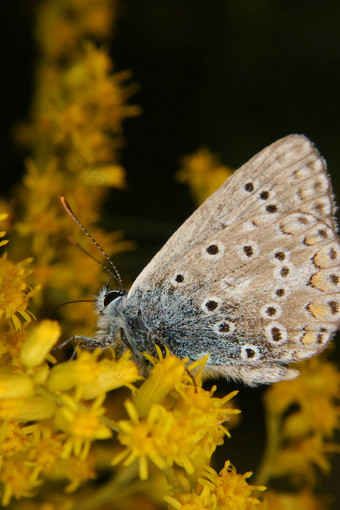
<point>230,75</point>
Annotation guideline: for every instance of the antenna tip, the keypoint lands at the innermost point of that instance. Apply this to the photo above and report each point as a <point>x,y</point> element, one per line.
<point>65,205</point>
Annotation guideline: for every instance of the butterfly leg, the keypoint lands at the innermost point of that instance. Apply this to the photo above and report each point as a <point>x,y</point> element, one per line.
<point>82,339</point>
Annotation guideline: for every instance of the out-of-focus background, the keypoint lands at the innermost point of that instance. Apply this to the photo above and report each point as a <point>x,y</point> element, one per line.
<point>232,76</point>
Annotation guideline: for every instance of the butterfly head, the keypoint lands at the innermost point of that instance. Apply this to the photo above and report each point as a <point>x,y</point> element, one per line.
<point>110,302</point>
<point>117,317</point>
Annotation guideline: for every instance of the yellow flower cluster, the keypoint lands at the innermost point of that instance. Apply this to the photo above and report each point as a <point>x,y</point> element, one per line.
<point>51,414</point>
<point>73,134</point>
<point>46,422</point>
<point>172,421</point>
<point>204,173</point>
<point>54,416</point>
<point>302,417</point>
<point>224,491</point>
<point>148,442</point>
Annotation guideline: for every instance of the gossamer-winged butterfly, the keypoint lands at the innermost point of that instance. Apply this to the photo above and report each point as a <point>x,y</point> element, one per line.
<point>252,278</point>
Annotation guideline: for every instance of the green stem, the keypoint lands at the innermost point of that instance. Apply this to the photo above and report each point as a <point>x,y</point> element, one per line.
<point>122,485</point>
<point>273,422</point>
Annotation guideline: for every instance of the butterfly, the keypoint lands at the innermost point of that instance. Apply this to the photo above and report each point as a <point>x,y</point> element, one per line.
<point>251,278</point>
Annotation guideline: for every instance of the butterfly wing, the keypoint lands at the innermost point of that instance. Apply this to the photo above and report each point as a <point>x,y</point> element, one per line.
<point>252,277</point>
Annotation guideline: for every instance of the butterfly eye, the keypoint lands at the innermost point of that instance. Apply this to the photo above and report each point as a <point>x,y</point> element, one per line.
<point>111,296</point>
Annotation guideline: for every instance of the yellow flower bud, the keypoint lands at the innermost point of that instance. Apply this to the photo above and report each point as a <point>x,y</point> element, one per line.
<point>26,409</point>
<point>15,386</point>
<point>165,375</point>
<point>39,342</point>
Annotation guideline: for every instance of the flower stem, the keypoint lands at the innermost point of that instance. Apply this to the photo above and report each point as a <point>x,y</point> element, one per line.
<point>273,423</point>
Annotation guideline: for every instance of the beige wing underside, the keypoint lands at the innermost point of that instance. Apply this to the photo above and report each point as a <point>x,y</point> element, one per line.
<point>290,174</point>
<point>265,242</point>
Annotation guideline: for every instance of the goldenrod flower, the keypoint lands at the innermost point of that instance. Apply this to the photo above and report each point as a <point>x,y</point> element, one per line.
<point>14,292</point>
<point>15,438</point>
<point>45,451</point>
<point>39,342</point>
<point>165,376</point>
<point>303,500</point>
<point>178,423</point>
<point>144,439</point>
<point>204,501</point>
<point>58,33</point>
<point>204,174</point>
<point>301,417</point>
<point>227,490</point>
<point>3,216</point>
<point>17,479</point>
<point>91,377</point>
<point>231,489</point>
<point>318,378</point>
<point>299,459</point>
<point>81,424</point>
<point>76,470</point>
<point>15,386</point>
<point>26,409</point>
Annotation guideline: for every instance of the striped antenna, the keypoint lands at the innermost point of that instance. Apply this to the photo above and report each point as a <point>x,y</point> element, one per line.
<point>115,272</point>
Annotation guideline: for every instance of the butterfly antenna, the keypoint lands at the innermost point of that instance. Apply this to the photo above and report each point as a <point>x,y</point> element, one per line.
<point>69,211</point>
<point>79,246</point>
<point>69,303</point>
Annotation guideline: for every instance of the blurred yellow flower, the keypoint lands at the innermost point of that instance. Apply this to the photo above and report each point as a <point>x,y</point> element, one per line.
<point>3,217</point>
<point>15,386</point>
<point>14,292</point>
<point>14,438</point>
<point>39,342</point>
<point>318,378</point>
<point>303,500</point>
<point>203,172</point>
<point>26,409</point>
<point>302,416</point>
<point>61,23</point>
<point>17,480</point>
<point>299,459</point>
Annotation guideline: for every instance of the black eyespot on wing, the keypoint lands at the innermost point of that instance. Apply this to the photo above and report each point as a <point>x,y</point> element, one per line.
<point>250,353</point>
<point>213,249</point>
<point>248,250</point>
<point>249,186</point>
<point>284,271</point>
<point>264,195</point>
<point>179,278</point>
<point>224,327</point>
<point>111,296</point>
<point>271,208</point>
<point>276,334</point>
<point>211,305</point>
